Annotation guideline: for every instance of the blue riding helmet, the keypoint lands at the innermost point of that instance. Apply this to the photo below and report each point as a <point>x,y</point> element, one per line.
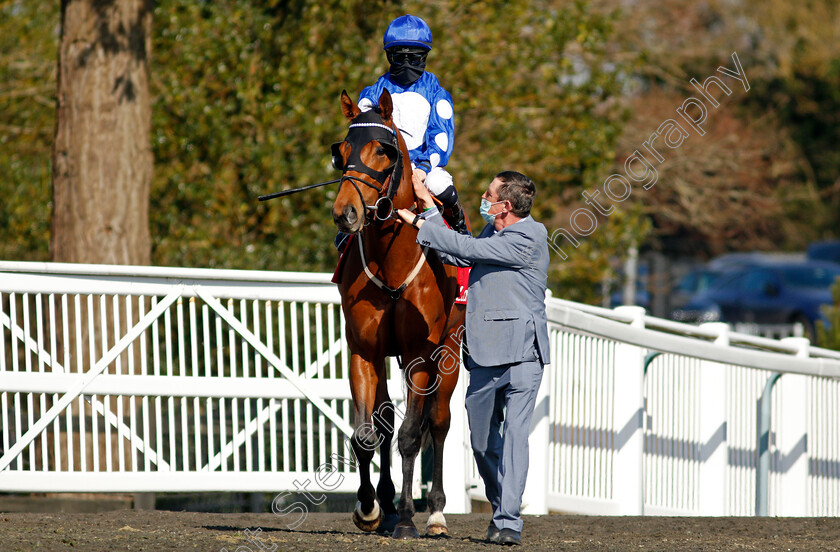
<point>408,30</point>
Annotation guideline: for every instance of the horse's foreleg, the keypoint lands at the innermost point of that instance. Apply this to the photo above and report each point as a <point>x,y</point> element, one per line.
<point>367,515</point>
<point>383,421</point>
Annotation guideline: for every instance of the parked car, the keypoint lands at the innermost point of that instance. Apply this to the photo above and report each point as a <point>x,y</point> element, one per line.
<point>767,293</point>
<point>729,261</point>
<point>696,281</point>
<point>825,251</point>
<point>642,296</point>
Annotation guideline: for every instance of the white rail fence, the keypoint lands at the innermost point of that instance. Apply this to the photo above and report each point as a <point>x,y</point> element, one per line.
<point>648,416</point>
<point>156,379</point>
<point>216,380</point>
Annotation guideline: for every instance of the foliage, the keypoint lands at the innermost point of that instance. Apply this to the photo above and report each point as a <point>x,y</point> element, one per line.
<point>535,86</point>
<point>828,333</point>
<point>250,107</point>
<point>798,58</point>
<point>769,162</point>
<point>738,187</point>
<point>28,53</point>
<point>246,102</point>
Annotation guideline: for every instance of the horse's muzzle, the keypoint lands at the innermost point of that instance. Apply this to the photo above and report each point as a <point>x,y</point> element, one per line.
<point>348,221</point>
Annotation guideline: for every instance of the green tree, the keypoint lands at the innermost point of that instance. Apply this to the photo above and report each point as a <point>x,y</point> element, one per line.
<point>245,102</point>
<point>28,53</point>
<point>535,85</point>
<point>828,334</point>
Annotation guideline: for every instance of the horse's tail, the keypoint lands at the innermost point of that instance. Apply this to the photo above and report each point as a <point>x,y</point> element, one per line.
<point>426,438</point>
<point>425,427</point>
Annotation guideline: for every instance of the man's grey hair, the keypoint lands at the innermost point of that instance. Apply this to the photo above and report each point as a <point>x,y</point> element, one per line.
<point>519,190</point>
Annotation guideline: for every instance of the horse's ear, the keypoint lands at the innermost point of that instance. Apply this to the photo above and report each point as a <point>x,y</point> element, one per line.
<point>386,106</point>
<point>348,107</point>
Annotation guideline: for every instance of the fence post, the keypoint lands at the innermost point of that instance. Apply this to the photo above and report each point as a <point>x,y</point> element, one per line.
<point>713,440</point>
<point>762,469</point>
<point>628,472</point>
<point>792,439</point>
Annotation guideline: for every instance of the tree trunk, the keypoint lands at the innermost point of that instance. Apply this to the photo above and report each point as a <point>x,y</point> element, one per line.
<point>102,161</point>
<point>102,169</point>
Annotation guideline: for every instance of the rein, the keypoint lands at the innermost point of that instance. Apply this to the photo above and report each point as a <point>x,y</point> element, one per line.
<point>367,131</point>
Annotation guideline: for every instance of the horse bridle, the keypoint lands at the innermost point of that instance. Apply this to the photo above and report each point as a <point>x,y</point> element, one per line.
<point>365,128</point>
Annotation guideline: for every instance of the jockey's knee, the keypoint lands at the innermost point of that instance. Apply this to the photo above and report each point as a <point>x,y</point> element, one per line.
<point>341,241</point>
<point>438,180</point>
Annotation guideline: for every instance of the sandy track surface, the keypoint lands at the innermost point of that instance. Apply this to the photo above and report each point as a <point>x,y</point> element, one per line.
<point>183,531</point>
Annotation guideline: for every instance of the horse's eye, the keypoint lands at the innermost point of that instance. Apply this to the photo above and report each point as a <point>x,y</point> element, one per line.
<point>380,150</point>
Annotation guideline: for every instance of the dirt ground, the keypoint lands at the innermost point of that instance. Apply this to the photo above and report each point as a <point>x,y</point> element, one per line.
<point>162,531</point>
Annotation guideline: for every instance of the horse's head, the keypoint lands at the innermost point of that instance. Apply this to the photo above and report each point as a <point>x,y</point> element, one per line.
<point>371,162</point>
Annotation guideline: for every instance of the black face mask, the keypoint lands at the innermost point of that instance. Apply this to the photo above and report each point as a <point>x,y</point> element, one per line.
<point>406,75</point>
<point>407,67</point>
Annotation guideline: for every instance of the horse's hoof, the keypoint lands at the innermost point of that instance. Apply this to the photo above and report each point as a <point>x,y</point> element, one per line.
<point>405,531</point>
<point>437,530</point>
<point>367,522</point>
<point>436,525</point>
<point>389,521</point>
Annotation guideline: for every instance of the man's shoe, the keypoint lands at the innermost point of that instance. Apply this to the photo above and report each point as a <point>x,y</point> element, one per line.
<point>492,533</point>
<point>510,537</point>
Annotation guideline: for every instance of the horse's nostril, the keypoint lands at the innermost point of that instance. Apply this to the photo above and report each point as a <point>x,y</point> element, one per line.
<point>350,214</point>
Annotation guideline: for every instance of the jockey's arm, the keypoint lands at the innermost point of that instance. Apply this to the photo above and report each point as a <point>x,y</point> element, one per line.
<point>440,132</point>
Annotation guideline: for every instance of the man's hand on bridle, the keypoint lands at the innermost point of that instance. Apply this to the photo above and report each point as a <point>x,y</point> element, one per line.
<point>410,217</point>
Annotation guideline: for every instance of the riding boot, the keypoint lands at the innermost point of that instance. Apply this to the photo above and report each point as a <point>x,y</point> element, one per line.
<point>456,218</point>
<point>341,240</point>
<point>453,213</point>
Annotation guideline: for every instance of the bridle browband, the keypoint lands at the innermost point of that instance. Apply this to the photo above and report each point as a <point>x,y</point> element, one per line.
<point>365,128</point>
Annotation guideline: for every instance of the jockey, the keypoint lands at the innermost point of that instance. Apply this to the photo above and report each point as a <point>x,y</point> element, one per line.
<point>422,111</point>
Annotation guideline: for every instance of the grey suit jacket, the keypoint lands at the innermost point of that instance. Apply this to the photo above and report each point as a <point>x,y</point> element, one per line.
<point>506,321</point>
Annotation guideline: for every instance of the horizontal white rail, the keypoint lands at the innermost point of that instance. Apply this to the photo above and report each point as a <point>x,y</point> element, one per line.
<point>680,344</point>
<point>178,386</point>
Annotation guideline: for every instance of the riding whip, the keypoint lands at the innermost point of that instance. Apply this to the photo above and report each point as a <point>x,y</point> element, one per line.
<point>296,190</point>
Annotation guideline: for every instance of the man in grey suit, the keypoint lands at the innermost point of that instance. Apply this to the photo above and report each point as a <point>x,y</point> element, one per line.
<point>507,334</point>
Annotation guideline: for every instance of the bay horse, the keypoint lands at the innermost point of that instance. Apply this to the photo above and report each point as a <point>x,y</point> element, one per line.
<point>398,300</point>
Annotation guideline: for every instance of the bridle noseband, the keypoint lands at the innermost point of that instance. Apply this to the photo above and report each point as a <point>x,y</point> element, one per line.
<point>365,128</point>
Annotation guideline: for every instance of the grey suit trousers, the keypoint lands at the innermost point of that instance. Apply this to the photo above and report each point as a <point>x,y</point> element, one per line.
<point>503,397</point>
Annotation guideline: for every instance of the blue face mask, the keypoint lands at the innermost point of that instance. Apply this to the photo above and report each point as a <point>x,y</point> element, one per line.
<point>484,210</point>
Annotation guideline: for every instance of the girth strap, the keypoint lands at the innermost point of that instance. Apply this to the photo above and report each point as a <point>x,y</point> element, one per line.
<point>394,293</point>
